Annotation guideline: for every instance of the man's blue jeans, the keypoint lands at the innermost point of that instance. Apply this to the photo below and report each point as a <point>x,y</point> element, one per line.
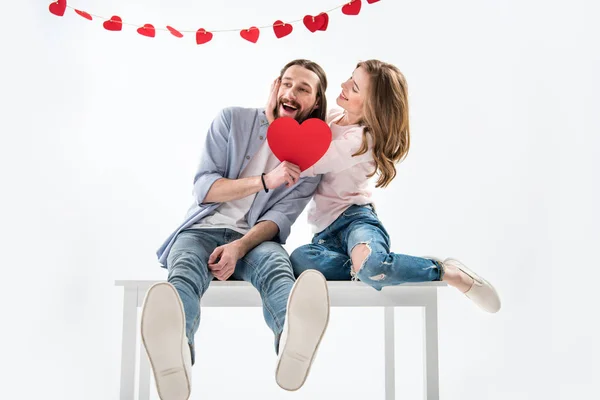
<point>267,267</point>
<point>331,250</point>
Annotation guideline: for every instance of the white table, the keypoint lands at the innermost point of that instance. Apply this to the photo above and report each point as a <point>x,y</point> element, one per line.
<point>243,294</point>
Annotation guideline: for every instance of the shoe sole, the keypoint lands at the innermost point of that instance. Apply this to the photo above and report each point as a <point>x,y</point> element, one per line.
<point>308,317</point>
<point>163,331</point>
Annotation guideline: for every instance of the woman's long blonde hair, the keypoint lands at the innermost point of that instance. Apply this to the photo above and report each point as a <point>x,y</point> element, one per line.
<point>385,118</point>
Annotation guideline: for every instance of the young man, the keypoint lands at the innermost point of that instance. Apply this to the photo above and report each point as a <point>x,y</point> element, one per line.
<point>236,228</point>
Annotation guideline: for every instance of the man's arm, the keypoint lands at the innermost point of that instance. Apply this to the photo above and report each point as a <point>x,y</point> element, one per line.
<point>213,159</point>
<point>274,224</point>
<point>224,190</point>
<point>229,254</point>
<point>210,185</point>
<point>287,209</point>
<point>261,232</point>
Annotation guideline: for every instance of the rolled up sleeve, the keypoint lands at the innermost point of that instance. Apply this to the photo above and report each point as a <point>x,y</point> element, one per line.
<point>285,211</point>
<point>214,156</point>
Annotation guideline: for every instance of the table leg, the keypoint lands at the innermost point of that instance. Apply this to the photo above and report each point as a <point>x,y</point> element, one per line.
<point>390,374</point>
<point>128,344</point>
<point>430,354</point>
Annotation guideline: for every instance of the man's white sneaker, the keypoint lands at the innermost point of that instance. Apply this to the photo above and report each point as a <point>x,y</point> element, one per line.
<point>306,320</point>
<point>163,336</point>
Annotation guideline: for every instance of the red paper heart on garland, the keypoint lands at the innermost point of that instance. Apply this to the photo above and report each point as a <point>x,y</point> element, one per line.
<point>352,8</point>
<point>250,34</point>
<point>325,17</point>
<point>303,144</point>
<point>202,36</point>
<point>282,29</point>
<point>84,14</point>
<point>372,1</point>
<point>58,7</point>
<point>115,23</point>
<point>147,30</point>
<point>175,32</point>
<point>313,23</point>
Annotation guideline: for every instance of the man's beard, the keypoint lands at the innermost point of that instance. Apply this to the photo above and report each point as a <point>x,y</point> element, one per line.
<point>299,117</point>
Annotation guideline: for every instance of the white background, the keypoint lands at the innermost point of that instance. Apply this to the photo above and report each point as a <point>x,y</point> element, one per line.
<point>100,137</point>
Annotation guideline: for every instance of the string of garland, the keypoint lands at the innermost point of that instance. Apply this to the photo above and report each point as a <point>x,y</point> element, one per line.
<point>281,29</point>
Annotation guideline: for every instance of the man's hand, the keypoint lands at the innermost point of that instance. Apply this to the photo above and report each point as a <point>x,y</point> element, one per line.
<point>224,258</point>
<point>286,172</point>
<point>272,102</point>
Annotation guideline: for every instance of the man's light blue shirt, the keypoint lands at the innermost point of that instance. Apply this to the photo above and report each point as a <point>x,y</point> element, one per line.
<point>234,137</point>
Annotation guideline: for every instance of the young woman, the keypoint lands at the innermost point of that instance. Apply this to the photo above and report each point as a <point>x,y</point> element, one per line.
<point>370,134</point>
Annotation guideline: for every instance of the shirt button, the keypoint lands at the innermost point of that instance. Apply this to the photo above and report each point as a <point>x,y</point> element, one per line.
<point>247,157</point>
<point>263,122</point>
<point>260,137</point>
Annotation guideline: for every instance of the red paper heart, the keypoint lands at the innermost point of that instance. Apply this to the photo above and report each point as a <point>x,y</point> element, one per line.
<point>58,7</point>
<point>175,32</point>
<point>325,17</point>
<point>352,8</point>
<point>147,30</point>
<point>251,34</point>
<point>282,29</point>
<point>302,145</point>
<point>84,14</point>
<point>115,23</point>
<point>202,36</point>
<point>313,23</point>
<point>372,1</point>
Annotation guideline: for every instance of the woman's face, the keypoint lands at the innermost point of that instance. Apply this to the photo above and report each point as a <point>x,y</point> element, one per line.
<point>354,93</point>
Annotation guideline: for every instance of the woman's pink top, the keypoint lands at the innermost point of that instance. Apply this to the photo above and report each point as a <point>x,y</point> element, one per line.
<point>344,180</point>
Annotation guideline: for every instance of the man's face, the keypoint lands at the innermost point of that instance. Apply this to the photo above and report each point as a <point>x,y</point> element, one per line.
<point>297,95</point>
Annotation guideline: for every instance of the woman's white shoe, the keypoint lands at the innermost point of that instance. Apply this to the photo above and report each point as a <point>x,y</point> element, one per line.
<point>482,292</point>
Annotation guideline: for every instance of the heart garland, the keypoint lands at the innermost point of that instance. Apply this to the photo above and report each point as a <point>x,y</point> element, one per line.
<point>174,32</point>
<point>281,29</point>
<point>250,34</point>
<point>115,23</point>
<point>202,36</point>
<point>352,8</point>
<point>147,30</point>
<point>84,14</point>
<point>58,7</point>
